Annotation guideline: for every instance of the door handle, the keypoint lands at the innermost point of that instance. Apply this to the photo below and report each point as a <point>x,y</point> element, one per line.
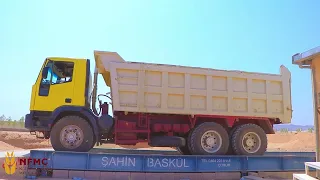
<point>68,100</point>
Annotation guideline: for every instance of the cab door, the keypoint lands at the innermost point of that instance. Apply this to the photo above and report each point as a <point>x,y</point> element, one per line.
<point>56,86</point>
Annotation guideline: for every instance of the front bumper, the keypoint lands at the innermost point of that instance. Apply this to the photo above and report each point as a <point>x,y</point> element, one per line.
<point>34,125</point>
<point>28,121</point>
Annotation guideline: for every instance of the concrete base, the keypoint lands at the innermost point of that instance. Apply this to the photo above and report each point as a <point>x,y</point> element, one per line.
<point>279,175</point>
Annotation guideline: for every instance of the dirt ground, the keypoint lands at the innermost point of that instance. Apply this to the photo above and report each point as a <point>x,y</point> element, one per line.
<point>291,141</point>
<point>21,140</point>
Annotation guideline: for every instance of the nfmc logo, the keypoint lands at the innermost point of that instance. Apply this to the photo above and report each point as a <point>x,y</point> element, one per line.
<point>11,163</point>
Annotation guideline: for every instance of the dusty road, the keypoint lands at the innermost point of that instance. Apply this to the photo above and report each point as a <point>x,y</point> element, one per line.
<point>291,141</point>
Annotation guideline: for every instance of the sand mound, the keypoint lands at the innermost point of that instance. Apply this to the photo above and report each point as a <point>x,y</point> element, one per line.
<point>21,140</point>
<point>302,141</point>
<point>5,147</point>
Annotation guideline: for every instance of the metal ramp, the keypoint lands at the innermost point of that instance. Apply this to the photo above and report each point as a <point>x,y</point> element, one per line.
<point>307,176</point>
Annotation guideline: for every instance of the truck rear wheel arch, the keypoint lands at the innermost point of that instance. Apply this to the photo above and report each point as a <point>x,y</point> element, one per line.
<point>265,124</point>
<point>76,111</point>
<point>220,121</point>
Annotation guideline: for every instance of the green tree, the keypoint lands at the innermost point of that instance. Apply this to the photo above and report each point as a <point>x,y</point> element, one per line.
<point>3,117</point>
<point>310,130</point>
<point>14,123</point>
<point>21,122</point>
<point>9,121</point>
<point>2,120</point>
<point>21,119</point>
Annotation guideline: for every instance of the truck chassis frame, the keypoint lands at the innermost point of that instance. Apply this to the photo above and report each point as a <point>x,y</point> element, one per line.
<point>140,123</point>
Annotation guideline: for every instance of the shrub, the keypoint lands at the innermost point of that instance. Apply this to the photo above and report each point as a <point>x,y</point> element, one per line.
<point>284,130</point>
<point>310,130</point>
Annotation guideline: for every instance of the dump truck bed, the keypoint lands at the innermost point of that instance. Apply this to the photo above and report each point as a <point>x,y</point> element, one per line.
<point>171,89</point>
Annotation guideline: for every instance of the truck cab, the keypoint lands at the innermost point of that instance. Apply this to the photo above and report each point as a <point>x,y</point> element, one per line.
<point>57,83</point>
<point>61,88</point>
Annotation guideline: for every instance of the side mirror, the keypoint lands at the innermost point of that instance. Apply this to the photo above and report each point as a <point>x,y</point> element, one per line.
<point>45,72</point>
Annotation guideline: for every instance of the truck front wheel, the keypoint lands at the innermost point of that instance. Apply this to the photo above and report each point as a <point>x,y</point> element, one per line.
<point>249,139</point>
<point>72,133</point>
<point>209,138</point>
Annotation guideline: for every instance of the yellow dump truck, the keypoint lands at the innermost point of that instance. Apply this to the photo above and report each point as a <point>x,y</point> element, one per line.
<point>198,111</point>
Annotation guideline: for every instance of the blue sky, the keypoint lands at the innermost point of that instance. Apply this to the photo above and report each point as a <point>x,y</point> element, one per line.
<point>254,36</point>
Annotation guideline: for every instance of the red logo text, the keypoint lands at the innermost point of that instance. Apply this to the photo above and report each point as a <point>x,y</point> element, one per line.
<point>33,161</point>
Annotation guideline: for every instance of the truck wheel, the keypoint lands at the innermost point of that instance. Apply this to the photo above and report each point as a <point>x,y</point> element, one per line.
<point>230,149</point>
<point>185,150</point>
<point>209,138</point>
<point>249,139</point>
<point>72,133</point>
<point>93,144</point>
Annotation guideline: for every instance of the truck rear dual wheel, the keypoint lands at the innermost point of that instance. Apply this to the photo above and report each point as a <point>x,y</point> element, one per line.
<point>249,139</point>
<point>230,149</point>
<point>72,133</point>
<point>209,138</point>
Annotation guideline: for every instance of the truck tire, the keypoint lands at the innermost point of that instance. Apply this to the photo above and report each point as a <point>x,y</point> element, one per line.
<point>230,149</point>
<point>72,133</point>
<point>185,150</point>
<point>93,144</point>
<point>209,138</point>
<point>249,139</point>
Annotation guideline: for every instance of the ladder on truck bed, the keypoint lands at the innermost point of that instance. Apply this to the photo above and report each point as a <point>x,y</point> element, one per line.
<point>307,176</point>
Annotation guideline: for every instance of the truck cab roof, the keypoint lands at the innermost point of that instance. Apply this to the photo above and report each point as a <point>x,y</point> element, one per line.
<point>66,58</point>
